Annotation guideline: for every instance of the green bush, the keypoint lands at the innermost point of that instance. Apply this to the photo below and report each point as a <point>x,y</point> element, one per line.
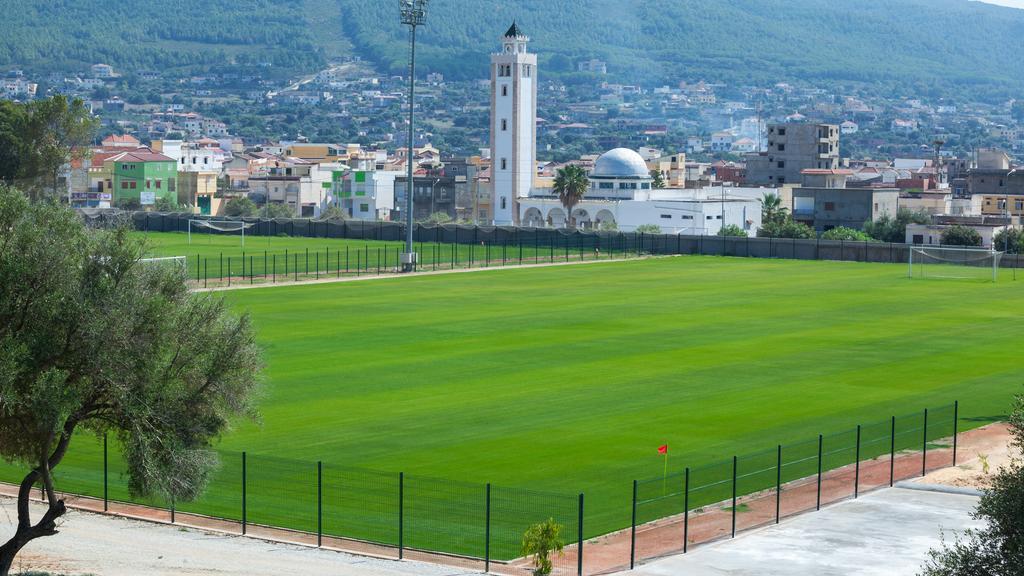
<point>844,233</point>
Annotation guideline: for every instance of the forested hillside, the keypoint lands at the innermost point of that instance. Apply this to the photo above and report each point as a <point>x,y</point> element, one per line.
<point>955,43</point>
<point>68,35</point>
<point>734,40</point>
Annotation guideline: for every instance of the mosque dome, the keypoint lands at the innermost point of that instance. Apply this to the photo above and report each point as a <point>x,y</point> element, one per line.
<point>620,164</point>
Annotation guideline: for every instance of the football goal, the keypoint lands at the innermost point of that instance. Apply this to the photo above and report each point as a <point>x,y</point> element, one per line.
<point>179,261</point>
<point>954,262</point>
<point>218,226</point>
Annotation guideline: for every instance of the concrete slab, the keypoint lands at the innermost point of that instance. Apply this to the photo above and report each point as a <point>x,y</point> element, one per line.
<point>885,533</point>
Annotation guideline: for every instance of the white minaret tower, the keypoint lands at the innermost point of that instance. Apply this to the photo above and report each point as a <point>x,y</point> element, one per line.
<point>513,125</point>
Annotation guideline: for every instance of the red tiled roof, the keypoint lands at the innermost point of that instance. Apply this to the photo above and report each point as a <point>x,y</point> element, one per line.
<point>125,139</point>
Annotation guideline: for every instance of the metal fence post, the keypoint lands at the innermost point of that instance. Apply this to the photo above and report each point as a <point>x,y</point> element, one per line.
<point>956,425</point>
<point>686,509</point>
<point>924,445</point>
<point>487,532</point>
<point>778,485</point>
<point>579,540</point>
<point>892,454</point>
<point>821,442</point>
<point>856,473</point>
<point>401,515</point>
<point>244,511</point>
<point>319,503</point>
<point>632,532</point>
<point>105,499</point>
<point>734,463</point>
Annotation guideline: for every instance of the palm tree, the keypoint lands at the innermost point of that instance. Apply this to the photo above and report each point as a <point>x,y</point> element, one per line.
<point>772,211</point>
<point>571,183</point>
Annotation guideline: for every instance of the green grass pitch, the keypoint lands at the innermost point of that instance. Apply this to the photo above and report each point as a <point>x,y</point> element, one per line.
<point>569,378</point>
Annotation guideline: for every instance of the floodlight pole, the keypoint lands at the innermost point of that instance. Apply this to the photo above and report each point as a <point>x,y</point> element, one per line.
<point>414,14</point>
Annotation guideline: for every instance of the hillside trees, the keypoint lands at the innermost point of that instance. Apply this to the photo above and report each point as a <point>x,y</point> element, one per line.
<point>94,341</point>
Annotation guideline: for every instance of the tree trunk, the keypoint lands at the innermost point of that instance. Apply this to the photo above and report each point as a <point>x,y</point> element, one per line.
<point>26,532</point>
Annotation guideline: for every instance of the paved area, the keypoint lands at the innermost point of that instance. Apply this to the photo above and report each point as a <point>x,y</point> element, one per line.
<point>885,533</point>
<point>111,546</point>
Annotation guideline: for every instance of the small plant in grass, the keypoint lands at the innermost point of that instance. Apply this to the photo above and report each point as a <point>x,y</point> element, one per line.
<point>539,541</point>
<point>983,458</point>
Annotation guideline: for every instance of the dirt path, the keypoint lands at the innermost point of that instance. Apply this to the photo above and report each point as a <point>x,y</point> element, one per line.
<point>104,545</point>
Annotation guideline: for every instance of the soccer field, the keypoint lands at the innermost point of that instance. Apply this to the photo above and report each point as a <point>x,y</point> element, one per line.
<point>569,378</point>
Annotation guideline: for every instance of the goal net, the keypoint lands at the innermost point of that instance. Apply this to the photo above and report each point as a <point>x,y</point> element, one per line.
<point>949,262</point>
<point>218,227</point>
<point>171,261</point>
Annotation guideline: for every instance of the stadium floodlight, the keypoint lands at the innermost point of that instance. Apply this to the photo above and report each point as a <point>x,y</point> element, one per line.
<point>414,13</point>
<point>219,226</point>
<point>953,262</point>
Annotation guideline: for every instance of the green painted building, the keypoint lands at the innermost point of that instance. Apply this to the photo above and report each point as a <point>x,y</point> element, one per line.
<point>144,176</point>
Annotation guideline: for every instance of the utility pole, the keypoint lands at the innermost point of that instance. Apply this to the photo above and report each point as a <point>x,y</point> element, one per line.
<point>414,13</point>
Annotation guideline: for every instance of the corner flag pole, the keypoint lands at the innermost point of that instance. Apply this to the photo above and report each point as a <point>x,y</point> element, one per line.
<point>663,450</point>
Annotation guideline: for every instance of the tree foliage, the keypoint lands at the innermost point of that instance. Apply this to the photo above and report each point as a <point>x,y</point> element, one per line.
<point>241,206</point>
<point>60,35</point>
<point>539,541</point>
<point>787,228</point>
<point>961,236</point>
<point>648,229</point>
<point>92,340</point>
<point>772,210</point>
<point>658,179</point>
<point>1009,241</point>
<point>571,184</point>
<point>732,230</point>
<point>998,548</point>
<point>164,204</point>
<point>844,233</point>
<point>269,210</point>
<point>697,39</point>
<point>894,229</point>
<point>38,138</point>
<point>438,218</point>
<point>333,213</point>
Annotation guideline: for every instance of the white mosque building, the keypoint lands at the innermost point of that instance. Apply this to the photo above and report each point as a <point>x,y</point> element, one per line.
<point>622,194</point>
<point>621,188</point>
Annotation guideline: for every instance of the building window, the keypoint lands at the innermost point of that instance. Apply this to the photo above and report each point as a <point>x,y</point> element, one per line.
<point>149,183</point>
<point>606,185</point>
<point>830,206</point>
<point>781,164</point>
<point>504,164</point>
<point>782,147</point>
<point>364,207</point>
<point>504,124</point>
<point>133,186</point>
<point>782,131</point>
<point>646,186</point>
<point>158,184</point>
<point>504,90</point>
<point>666,216</point>
<point>171,184</point>
<point>504,204</point>
<point>526,70</point>
<point>124,185</point>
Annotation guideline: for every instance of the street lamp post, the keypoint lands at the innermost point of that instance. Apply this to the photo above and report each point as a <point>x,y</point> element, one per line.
<point>414,13</point>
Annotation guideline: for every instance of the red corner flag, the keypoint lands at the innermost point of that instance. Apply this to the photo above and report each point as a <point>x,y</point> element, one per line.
<point>663,449</point>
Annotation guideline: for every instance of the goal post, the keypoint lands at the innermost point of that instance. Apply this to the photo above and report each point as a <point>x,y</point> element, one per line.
<point>954,262</point>
<point>223,226</point>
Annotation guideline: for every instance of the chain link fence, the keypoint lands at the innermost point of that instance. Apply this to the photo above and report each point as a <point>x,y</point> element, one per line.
<point>717,500</point>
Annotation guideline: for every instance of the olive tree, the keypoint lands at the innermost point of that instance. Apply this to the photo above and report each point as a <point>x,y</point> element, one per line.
<point>997,549</point>
<point>93,341</point>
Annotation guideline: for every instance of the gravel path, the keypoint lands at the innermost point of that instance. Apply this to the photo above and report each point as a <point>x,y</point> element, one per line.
<point>109,546</point>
